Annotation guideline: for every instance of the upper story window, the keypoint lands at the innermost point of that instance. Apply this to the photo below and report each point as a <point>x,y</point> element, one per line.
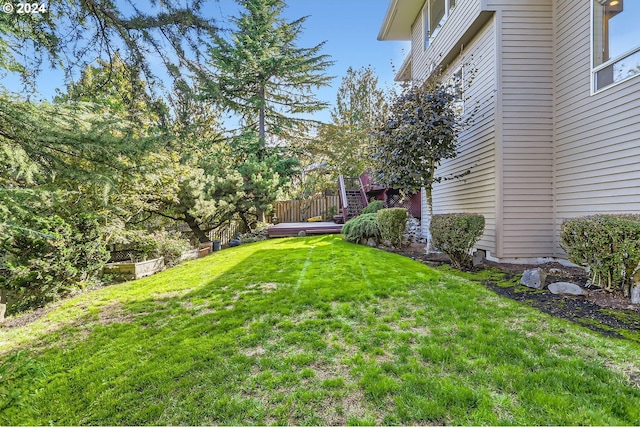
<point>434,14</point>
<point>616,41</point>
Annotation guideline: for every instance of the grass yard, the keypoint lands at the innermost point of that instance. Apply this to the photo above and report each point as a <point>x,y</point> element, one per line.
<point>310,331</point>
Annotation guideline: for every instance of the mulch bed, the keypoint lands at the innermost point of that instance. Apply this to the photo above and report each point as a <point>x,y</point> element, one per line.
<point>600,311</point>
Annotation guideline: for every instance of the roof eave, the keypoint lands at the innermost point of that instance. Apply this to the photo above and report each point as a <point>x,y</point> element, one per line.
<point>398,20</point>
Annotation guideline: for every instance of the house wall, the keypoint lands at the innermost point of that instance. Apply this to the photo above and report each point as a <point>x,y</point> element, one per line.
<point>525,95</point>
<point>597,137</point>
<point>477,191</point>
<point>508,149</point>
<point>543,148</point>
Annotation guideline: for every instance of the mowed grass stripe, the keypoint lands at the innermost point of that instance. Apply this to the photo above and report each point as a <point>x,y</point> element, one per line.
<point>311,331</point>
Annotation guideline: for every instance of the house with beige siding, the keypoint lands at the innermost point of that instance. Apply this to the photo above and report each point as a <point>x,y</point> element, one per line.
<point>555,85</point>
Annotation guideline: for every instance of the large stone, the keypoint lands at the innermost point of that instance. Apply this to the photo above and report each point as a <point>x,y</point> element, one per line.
<point>566,288</point>
<point>372,242</point>
<point>478,257</point>
<point>534,278</point>
<point>635,294</point>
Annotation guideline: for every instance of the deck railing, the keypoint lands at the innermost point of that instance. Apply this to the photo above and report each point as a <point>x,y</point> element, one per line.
<point>302,210</point>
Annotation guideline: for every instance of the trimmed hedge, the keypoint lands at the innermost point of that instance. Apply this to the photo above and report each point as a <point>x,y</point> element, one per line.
<point>392,223</point>
<point>373,207</point>
<point>361,227</point>
<point>608,245</point>
<point>456,234</point>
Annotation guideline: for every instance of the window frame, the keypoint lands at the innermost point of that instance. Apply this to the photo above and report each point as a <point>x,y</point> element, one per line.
<point>427,34</point>
<point>595,69</point>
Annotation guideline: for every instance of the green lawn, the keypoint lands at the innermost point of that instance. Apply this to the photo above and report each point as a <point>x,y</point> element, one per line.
<point>310,331</point>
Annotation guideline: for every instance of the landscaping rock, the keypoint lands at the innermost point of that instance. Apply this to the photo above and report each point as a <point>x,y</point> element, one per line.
<point>412,230</point>
<point>566,288</point>
<point>372,242</point>
<point>302,233</point>
<point>478,257</point>
<point>635,294</point>
<point>534,278</point>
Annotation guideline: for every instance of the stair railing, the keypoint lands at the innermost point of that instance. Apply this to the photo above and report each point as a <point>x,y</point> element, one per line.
<point>343,197</point>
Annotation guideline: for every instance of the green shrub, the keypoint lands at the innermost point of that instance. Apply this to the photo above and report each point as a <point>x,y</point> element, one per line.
<point>170,246</point>
<point>608,245</point>
<point>48,258</point>
<point>392,223</point>
<point>456,234</point>
<point>361,227</point>
<point>373,207</point>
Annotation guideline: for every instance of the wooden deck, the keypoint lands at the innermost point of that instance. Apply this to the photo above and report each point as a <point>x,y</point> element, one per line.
<point>287,229</point>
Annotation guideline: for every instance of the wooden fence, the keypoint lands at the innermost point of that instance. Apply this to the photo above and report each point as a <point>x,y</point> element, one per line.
<point>227,232</point>
<point>301,210</point>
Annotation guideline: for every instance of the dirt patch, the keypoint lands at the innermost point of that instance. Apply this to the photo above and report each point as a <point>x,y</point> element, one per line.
<point>28,317</point>
<point>601,311</point>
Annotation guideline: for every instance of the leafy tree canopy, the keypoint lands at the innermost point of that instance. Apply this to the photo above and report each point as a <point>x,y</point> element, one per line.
<point>419,131</point>
<point>345,143</point>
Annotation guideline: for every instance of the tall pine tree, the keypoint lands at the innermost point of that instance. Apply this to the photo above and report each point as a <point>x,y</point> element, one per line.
<point>261,74</point>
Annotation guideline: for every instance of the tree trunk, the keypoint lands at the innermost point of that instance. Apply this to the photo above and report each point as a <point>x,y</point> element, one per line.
<point>194,225</point>
<point>261,125</point>
<point>427,214</point>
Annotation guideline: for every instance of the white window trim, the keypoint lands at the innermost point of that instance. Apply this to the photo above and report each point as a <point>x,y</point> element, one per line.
<point>426,12</point>
<point>594,70</point>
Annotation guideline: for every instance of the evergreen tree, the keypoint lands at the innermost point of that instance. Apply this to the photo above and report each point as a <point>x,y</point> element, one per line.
<point>113,88</point>
<point>70,34</point>
<point>261,74</point>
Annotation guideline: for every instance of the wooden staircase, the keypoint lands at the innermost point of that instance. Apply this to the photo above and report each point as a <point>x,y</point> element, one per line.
<point>353,198</point>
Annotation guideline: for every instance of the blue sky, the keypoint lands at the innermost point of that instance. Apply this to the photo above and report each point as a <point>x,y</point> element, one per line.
<point>349,27</point>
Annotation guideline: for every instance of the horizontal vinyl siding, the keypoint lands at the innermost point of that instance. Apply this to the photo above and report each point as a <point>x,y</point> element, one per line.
<point>423,60</point>
<point>597,153</point>
<point>475,192</point>
<point>526,93</point>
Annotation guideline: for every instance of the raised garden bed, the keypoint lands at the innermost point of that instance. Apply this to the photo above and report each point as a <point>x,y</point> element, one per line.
<point>134,270</point>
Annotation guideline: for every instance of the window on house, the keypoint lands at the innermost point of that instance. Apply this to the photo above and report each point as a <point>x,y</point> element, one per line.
<point>434,14</point>
<point>616,41</point>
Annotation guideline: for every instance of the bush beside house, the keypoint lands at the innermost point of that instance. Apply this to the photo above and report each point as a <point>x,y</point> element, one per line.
<point>385,226</point>
<point>392,223</point>
<point>456,234</point>
<point>608,245</point>
<point>362,228</point>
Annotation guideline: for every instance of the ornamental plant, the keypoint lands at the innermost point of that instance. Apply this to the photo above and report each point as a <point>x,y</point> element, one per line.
<point>608,245</point>
<point>361,228</point>
<point>392,223</point>
<point>456,234</point>
<point>373,207</point>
